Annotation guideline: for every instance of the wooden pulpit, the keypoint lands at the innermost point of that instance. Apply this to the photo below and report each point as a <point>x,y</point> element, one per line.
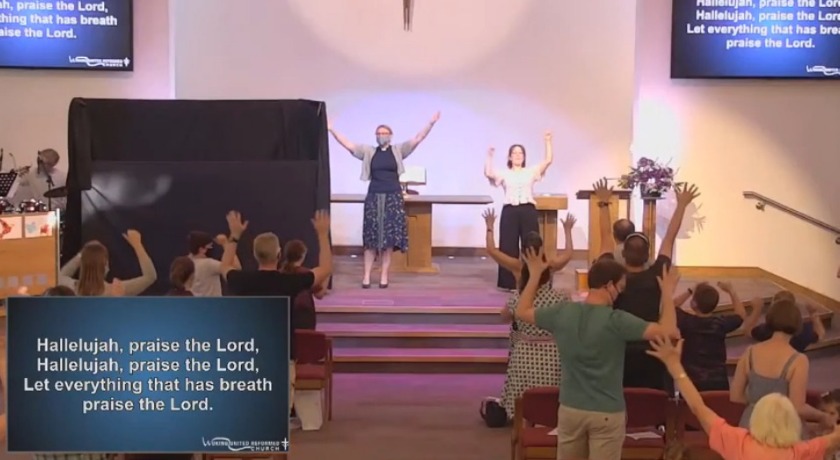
<point>595,213</point>
<point>649,222</point>
<point>548,216</point>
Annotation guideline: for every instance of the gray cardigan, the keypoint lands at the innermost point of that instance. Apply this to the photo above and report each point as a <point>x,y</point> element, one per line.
<point>365,153</point>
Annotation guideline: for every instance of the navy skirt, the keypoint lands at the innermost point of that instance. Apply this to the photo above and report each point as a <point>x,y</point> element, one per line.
<point>384,222</point>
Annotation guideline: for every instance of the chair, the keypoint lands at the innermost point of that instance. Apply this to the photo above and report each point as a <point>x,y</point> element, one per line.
<point>535,415</point>
<point>719,403</point>
<point>314,366</point>
<point>647,411</point>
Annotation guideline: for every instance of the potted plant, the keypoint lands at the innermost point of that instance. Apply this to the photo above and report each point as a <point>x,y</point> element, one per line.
<point>653,178</point>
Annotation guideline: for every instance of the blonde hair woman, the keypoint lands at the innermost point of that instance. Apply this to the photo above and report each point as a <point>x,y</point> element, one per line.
<point>774,430</point>
<point>92,265</point>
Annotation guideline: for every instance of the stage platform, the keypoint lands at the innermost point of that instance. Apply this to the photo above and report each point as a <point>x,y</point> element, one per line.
<point>450,322</point>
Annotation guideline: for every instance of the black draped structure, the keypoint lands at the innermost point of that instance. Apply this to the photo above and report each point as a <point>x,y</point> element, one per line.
<point>168,167</point>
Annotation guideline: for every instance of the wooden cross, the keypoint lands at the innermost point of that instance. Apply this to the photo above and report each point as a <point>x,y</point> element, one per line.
<point>408,9</point>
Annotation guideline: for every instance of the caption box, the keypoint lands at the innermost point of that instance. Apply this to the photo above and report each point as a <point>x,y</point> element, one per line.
<point>146,374</point>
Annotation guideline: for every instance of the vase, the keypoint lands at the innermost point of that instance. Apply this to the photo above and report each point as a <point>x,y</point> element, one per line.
<point>646,193</point>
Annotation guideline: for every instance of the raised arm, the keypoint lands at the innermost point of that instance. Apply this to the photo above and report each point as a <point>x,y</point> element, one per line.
<point>421,136</point>
<point>685,195</point>
<point>737,305</point>
<point>505,261</point>
<point>681,299</point>
<point>670,355</point>
<point>355,150</point>
<point>236,227</point>
<point>560,260</point>
<point>814,314</point>
<point>322,272</point>
<point>222,240</point>
<point>667,325</point>
<point>148,274</point>
<point>756,309</point>
<point>549,156</point>
<point>67,274</point>
<point>603,194</point>
<point>490,171</point>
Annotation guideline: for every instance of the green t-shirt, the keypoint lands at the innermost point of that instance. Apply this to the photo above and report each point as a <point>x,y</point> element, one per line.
<point>591,340</point>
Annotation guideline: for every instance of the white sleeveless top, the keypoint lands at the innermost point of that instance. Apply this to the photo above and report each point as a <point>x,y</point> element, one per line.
<point>519,185</point>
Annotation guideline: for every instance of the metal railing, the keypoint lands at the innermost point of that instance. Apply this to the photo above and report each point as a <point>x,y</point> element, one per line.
<point>764,201</point>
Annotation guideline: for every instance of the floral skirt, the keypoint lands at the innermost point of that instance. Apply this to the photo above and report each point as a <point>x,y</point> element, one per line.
<point>384,224</point>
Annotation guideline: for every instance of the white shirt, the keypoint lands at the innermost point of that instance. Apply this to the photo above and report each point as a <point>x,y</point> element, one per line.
<point>519,185</point>
<point>207,281</point>
<point>34,184</point>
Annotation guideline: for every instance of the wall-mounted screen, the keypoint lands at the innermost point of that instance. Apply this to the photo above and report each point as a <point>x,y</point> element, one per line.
<point>756,39</point>
<point>59,34</point>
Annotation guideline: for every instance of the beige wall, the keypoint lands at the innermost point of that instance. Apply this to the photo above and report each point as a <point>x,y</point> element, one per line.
<point>35,103</point>
<point>501,71</point>
<point>778,138</point>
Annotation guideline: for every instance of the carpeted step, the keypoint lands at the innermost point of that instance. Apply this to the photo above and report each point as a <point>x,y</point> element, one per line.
<point>389,314</point>
<point>420,335</point>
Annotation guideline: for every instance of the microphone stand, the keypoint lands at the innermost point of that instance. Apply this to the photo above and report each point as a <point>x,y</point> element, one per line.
<point>50,183</point>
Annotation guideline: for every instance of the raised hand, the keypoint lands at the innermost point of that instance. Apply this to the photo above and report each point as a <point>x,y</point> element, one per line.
<point>23,290</point>
<point>490,152</point>
<point>489,216</point>
<point>235,223</point>
<point>686,193</point>
<point>133,237</point>
<point>602,191</point>
<point>436,117</point>
<point>117,288</point>
<point>536,261</point>
<point>725,286</point>
<point>221,239</point>
<point>321,221</point>
<point>569,222</point>
<point>811,308</point>
<point>666,351</point>
<point>329,125</point>
<point>548,136</point>
<point>669,280</point>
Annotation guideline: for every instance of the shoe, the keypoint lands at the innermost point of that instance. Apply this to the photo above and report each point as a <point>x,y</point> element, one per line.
<point>383,285</point>
<point>365,286</point>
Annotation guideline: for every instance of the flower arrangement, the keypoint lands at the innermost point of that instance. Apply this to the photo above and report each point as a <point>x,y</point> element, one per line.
<point>653,178</point>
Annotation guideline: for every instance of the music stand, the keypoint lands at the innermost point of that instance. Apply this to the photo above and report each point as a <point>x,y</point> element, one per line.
<point>8,184</point>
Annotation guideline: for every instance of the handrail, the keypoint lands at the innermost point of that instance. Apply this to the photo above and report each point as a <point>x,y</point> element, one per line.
<point>763,201</point>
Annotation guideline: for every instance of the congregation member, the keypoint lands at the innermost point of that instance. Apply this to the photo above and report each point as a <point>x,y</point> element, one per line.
<point>830,404</point>
<point>208,271</point>
<point>704,334</point>
<point>92,266</point>
<point>533,360</point>
<point>514,265</point>
<point>642,295</point>
<point>519,213</point>
<point>773,430</point>
<point>294,253</point>
<point>621,229</point>
<point>591,338</point>
<point>384,227</point>
<point>813,329</point>
<point>268,281</point>
<point>181,276</point>
<point>774,366</point>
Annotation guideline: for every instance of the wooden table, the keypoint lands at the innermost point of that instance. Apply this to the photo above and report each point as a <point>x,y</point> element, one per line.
<point>595,217</point>
<point>547,215</point>
<point>418,210</point>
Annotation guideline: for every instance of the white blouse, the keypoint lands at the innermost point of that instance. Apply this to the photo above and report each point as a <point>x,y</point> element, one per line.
<point>519,184</point>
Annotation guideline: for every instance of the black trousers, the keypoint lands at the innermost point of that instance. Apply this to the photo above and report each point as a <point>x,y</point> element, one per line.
<point>515,222</point>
